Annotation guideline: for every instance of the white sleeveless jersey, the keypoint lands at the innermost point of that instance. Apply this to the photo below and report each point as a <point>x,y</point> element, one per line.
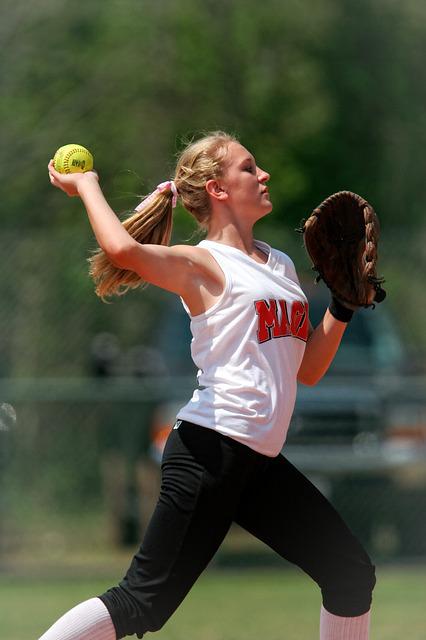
<point>248,348</point>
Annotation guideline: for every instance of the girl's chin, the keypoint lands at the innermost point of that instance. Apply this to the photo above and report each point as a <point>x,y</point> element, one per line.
<point>266,211</point>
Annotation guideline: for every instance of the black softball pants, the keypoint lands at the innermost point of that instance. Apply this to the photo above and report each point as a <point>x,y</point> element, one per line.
<point>210,481</point>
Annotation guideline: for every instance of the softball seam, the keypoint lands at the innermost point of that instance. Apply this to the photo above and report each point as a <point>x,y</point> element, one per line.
<point>68,156</point>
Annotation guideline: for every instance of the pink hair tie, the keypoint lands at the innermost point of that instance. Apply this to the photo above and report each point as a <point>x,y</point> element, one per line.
<point>169,185</point>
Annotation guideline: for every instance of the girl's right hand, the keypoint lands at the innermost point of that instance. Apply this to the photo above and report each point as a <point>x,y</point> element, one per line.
<point>69,182</point>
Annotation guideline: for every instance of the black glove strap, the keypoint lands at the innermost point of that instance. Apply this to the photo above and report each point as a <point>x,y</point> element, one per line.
<point>339,311</point>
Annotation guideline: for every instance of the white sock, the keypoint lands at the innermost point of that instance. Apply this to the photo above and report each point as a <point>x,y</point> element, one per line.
<point>338,628</point>
<point>89,620</point>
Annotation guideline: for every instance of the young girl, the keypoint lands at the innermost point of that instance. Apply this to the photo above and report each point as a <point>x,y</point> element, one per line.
<point>252,342</point>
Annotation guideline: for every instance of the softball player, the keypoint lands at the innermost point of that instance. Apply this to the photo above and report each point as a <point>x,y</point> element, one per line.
<point>252,342</point>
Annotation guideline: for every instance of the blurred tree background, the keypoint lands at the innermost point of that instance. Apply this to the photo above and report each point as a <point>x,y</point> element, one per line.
<point>328,95</point>
<point>328,98</point>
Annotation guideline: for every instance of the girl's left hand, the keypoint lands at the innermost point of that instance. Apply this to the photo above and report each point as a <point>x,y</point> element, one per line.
<point>69,182</point>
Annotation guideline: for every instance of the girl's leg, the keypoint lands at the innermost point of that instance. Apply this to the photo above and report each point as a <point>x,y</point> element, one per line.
<point>203,475</point>
<point>287,512</point>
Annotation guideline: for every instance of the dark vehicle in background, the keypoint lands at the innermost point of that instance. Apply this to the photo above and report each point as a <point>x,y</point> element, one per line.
<point>359,434</point>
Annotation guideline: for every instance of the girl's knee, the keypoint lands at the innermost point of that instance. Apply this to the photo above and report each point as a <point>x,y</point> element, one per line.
<point>350,593</point>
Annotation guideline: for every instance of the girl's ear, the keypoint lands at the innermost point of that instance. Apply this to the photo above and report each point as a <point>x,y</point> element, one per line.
<point>215,190</point>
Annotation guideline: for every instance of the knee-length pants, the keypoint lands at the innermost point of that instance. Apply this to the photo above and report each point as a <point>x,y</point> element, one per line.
<point>210,481</point>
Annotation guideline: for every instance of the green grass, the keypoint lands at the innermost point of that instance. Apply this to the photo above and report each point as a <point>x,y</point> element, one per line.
<point>226,605</point>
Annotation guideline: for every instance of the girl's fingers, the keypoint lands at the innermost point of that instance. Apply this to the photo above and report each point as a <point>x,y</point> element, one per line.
<point>59,176</point>
<point>52,169</point>
<point>67,182</point>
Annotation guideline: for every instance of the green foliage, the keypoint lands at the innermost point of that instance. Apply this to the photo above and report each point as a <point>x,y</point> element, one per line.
<point>327,98</point>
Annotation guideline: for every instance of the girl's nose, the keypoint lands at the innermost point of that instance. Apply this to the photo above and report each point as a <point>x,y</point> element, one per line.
<point>263,176</point>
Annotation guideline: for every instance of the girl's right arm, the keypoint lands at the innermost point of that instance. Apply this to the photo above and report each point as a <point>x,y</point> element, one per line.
<point>183,270</point>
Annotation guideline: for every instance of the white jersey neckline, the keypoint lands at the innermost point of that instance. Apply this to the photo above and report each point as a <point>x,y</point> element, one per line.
<point>263,246</point>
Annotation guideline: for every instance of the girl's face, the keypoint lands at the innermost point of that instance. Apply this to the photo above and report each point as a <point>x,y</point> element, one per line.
<point>245,183</point>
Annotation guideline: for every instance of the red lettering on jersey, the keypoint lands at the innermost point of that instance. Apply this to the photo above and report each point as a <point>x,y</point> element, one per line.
<point>282,328</point>
<point>272,324</point>
<point>299,322</point>
<point>267,318</point>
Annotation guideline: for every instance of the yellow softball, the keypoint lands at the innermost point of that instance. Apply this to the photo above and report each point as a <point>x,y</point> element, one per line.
<point>73,158</point>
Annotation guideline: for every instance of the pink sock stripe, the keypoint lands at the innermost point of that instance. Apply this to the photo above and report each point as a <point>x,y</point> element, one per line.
<point>339,628</point>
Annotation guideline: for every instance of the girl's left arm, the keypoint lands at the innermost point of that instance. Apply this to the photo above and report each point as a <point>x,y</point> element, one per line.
<point>321,348</point>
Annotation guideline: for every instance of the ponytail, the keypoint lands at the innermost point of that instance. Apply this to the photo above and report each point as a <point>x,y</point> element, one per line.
<point>150,223</point>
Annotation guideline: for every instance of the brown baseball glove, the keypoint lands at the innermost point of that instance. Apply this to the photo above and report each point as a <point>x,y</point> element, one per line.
<point>341,237</point>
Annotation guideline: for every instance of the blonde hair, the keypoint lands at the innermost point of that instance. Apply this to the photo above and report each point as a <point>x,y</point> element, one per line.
<point>199,161</point>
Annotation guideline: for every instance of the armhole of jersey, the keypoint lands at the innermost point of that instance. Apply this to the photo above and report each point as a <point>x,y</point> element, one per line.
<point>228,283</point>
